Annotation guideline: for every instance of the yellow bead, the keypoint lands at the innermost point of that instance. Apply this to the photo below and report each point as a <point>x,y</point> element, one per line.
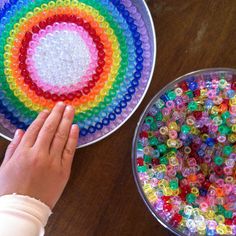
<point>195,191</point>
<point>220,218</point>
<point>161,168</point>
<point>171,143</point>
<point>221,229</point>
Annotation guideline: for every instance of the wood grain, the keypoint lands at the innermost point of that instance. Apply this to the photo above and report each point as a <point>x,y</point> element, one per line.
<point>101,197</point>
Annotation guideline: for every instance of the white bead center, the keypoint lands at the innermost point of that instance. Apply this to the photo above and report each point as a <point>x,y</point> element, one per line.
<point>61,58</point>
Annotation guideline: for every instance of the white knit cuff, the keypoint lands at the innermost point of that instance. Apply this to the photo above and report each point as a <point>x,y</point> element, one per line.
<point>26,204</point>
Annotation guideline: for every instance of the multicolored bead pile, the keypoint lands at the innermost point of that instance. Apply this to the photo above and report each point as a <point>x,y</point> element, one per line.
<point>185,153</point>
<point>95,55</point>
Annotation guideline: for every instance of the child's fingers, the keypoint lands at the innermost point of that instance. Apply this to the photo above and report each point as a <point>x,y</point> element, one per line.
<point>62,133</point>
<point>32,132</point>
<point>50,126</point>
<point>70,147</point>
<point>13,145</point>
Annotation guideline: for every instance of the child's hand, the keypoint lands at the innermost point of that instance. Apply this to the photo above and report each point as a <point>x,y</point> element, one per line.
<point>38,163</point>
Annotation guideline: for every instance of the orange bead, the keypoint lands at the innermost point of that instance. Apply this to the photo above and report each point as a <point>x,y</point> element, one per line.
<point>219,192</point>
<point>192,178</point>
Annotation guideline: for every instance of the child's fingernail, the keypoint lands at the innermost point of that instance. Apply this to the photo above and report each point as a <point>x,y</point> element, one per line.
<point>60,104</point>
<point>69,108</point>
<point>17,133</point>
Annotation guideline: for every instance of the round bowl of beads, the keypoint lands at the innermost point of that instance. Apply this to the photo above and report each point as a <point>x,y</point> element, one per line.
<point>184,154</point>
<point>97,56</point>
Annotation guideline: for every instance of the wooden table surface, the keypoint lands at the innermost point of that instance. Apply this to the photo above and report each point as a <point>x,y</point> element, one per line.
<point>101,197</point>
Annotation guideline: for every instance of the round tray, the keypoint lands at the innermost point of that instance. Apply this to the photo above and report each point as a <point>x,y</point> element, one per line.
<point>173,209</point>
<point>98,56</point>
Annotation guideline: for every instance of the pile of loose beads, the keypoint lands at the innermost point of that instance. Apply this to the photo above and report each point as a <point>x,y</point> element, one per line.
<point>186,152</point>
<point>93,55</point>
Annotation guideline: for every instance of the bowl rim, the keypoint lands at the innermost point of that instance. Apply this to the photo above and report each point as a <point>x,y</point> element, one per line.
<point>137,130</point>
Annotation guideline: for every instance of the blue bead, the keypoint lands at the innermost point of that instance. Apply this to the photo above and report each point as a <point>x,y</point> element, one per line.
<point>131,90</point>
<point>203,192</point>
<point>139,59</point>
<point>112,116</point>
<point>135,82</point>
<point>137,75</point>
<point>133,27</point>
<point>139,51</point>
<point>123,104</point>
<point>130,20</point>
<point>136,35</point>
<point>92,129</point>
<point>210,142</point>
<point>139,67</point>
<point>105,121</point>
<point>83,132</point>
<point>14,121</point>
<point>193,85</point>
<point>164,98</point>
<point>128,97</point>
<point>99,126</point>
<point>121,7</point>
<point>118,110</point>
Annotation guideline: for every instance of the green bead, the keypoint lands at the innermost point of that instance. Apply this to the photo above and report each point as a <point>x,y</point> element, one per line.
<point>171,95</point>
<point>190,94</point>
<point>218,160</point>
<point>220,210</point>
<point>228,214</point>
<point>141,169</point>
<point>192,106</point>
<point>191,198</point>
<point>139,146</point>
<point>224,129</point>
<point>147,159</point>
<point>153,126</point>
<point>153,141</point>
<point>227,150</point>
<point>164,161</point>
<point>159,116</point>
<point>149,120</point>
<point>225,115</point>
<point>185,129</point>
<point>179,175</point>
<point>174,184</point>
<point>162,148</point>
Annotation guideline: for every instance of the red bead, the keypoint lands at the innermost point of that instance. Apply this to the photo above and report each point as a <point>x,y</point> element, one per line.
<point>22,58</point>
<point>27,80</point>
<point>87,26</point>
<point>47,95</point>
<point>55,97</point>
<point>155,161</point>
<point>86,90</point>
<point>143,134</point>
<point>42,24</point>
<point>39,91</point>
<point>32,86</point>
<point>228,221</point>
<point>140,161</point>
<point>99,70</point>
<point>165,198</point>
<point>186,189</point>
<point>197,114</point>
<point>167,207</point>
<point>197,93</point>
<point>101,54</point>
<point>234,220</point>
<point>28,35</point>
<point>96,39</point>
<point>219,170</point>
<point>95,77</point>
<point>70,96</point>
<point>206,184</point>
<point>101,62</point>
<point>62,97</point>
<point>35,29</point>
<point>79,21</point>
<point>78,94</point>
<point>177,217</point>
<point>204,129</point>
<point>184,86</point>
<point>100,46</point>
<point>91,84</point>
<point>24,73</point>
<point>92,32</point>
<point>233,85</point>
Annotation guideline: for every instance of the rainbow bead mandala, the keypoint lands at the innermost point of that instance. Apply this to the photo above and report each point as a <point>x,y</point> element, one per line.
<point>184,154</point>
<point>95,55</point>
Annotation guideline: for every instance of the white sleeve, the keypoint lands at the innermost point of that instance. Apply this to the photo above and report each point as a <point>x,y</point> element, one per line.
<point>22,216</point>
